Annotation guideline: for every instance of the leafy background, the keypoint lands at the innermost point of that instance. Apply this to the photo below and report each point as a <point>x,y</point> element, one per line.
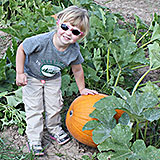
<point>107,64</point>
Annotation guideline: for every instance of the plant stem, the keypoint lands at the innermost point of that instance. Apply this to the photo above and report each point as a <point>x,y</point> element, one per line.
<point>108,53</point>
<point>142,37</point>
<point>145,132</point>
<point>146,44</point>
<point>139,81</point>
<point>153,82</point>
<point>138,67</point>
<point>145,48</point>
<point>136,33</point>
<point>137,130</point>
<point>117,79</point>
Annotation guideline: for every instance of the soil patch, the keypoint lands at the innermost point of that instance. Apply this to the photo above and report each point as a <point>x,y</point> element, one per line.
<point>5,42</point>
<point>145,9</point>
<point>73,150</point>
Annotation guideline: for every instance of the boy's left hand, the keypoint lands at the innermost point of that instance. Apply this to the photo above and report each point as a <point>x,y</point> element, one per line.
<point>87,91</point>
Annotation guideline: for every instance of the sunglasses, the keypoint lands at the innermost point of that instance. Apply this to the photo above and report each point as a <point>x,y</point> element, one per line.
<point>75,32</point>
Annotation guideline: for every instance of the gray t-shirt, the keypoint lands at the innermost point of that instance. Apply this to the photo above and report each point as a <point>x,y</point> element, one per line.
<point>44,61</point>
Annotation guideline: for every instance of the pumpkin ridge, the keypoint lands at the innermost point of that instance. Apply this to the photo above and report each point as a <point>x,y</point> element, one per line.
<point>83,137</point>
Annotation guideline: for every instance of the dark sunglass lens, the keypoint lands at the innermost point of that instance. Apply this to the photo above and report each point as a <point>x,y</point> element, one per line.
<point>76,32</point>
<point>64,27</point>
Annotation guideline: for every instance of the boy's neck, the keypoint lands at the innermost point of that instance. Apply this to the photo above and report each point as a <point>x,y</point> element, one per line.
<point>58,46</point>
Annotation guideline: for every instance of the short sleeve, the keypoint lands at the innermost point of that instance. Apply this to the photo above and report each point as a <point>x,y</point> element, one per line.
<point>31,45</point>
<point>78,60</point>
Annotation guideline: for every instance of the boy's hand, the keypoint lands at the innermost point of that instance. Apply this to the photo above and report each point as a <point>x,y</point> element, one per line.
<point>87,91</point>
<point>21,79</point>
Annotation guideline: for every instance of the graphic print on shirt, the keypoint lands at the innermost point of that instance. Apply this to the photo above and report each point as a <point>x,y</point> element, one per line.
<point>49,69</point>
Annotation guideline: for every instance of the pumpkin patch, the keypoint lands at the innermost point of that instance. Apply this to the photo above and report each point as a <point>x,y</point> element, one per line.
<point>78,115</point>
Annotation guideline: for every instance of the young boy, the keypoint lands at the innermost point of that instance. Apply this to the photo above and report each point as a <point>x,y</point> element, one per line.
<point>39,62</point>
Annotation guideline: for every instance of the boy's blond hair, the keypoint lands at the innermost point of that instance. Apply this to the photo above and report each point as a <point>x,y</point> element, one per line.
<point>75,16</point>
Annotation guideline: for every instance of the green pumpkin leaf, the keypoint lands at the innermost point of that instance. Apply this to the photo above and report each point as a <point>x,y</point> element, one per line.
<point>152,114</point>
<point>10,30</point>
<point>118,142</point>
<point>124,53</point>
<point>13,100</point>
<point>138,57</point>
<point>96,21</point>
<point>110,103</point>
<point>2,94</point>
<point>97,60</point>
<point>123,93</point>
<point>150,87</point>
<point>90,73</point>
<point>16,99</point>
<point>124,134</point>
<point>102,132</point>
<point>154,55</point>
<point>90,125</point>
<point>127,45</point>
<point>118,146</point>
<point>105,125</point>
<point>150,153</point>
<point>73,88</point>
<point>11,76</point>
<point>138,146</point>
<point>124,119</point>
<point>156,32</point>
<point>138,102</point>
<point>18,92</point>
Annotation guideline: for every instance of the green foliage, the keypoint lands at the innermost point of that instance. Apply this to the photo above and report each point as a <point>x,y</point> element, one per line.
<point>68,88</point>
<point>150,87</point>
<point>24,18</point>
<point>118,146</point>
<point>140,110</point>
<point>154,63</point>
<point>139,107</point>
<point>112,51</point>
<point>154,50</point>
<point>8,73</point>
<point>11,112</point>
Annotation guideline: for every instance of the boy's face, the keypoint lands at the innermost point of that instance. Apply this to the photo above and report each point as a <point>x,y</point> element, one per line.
<point>68,34</point>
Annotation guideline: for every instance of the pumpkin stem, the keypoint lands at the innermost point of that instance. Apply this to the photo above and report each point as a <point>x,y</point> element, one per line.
<point>71,113</point>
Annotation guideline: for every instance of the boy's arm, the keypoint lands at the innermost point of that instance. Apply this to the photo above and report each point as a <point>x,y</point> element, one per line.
<point>21,79</point>
<point>79,77</point>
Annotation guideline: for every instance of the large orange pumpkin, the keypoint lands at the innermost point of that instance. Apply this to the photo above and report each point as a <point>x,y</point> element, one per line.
<point>78,115</point>
<point>118,115</point>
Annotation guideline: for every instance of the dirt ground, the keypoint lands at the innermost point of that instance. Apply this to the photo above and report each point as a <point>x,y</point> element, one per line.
<point>75,150</point>
<point>128,8</point>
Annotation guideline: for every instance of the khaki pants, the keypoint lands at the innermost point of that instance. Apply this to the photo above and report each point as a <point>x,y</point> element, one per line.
<point>38,98</point>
